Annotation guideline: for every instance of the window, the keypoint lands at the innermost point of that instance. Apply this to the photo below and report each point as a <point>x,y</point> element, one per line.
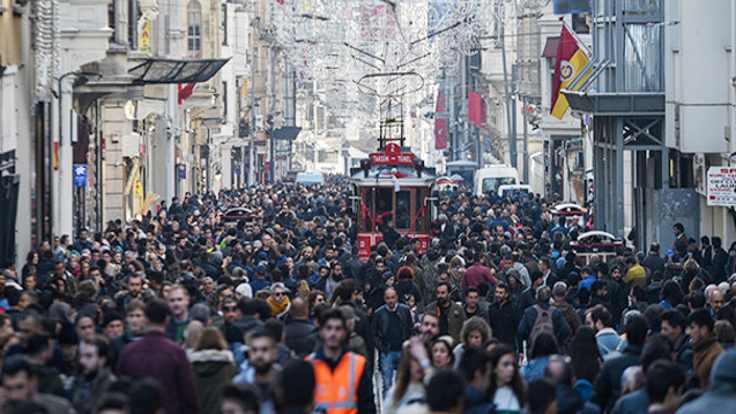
<point>135,15</point>
<point>403,209</point>
<point>224,100</point>
<point>194,28</point>
<point>643,69</point>
<point>223,18</point>
<point>643,7</point>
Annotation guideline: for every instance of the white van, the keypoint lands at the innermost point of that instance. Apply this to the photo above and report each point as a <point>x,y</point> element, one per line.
<point>488,180</point>
<point>308,178</point>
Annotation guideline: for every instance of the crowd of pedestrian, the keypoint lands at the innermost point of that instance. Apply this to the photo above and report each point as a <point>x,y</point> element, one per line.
<point>255,301</point>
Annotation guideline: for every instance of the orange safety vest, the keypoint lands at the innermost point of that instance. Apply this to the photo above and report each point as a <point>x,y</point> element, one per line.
<point>337,391</point>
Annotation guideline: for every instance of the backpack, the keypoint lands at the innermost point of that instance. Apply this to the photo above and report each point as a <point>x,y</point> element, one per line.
<point>542,324</point>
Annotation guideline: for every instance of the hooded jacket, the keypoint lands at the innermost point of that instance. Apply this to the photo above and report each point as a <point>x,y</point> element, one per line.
<point>213,369</point>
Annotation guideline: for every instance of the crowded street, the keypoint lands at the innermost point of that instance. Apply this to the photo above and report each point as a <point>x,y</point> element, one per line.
<point>367,206</point>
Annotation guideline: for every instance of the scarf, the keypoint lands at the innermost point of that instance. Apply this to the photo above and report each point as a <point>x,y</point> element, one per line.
<point>278,308</point>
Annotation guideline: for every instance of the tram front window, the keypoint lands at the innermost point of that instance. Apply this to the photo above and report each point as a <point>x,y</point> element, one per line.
<point>403,209</point>
<point>384,203</point>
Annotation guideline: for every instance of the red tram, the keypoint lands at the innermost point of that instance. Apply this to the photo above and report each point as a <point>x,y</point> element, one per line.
<point>394,185</point>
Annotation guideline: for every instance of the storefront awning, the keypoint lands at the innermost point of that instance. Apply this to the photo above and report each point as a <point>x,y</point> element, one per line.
<point>168,71</point>
<point>286,133</point>
<point>550,47</point>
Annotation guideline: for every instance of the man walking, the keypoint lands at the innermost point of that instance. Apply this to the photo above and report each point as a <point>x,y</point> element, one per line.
<point>156,356</point>
<point>343,383</point>
<point>392,325</point>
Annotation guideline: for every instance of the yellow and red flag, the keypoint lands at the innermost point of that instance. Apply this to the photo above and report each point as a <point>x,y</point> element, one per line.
<point>572,70</point>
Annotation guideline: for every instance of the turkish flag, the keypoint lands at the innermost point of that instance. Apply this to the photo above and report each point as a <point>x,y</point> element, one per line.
<point>185,92</point>
<point>476,109</point>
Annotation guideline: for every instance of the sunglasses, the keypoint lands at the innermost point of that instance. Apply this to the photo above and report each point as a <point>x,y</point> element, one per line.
<point>230,308</point>
<point>278,294</point>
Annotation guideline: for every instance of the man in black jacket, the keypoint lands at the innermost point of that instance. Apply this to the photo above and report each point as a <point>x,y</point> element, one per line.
<point>392,325</point>
<point>299,331</point>
<point>503,316</point>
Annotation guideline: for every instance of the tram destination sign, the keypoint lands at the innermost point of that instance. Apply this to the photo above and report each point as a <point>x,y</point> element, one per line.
<point>721,189</point>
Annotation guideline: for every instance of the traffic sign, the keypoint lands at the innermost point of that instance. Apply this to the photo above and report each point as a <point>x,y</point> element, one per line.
<point>80,175</point>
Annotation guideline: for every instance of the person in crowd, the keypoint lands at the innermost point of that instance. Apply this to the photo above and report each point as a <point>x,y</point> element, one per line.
<point>392,325</point>
<point>19,383</point>
<point>475,333</point>
<point>506,385</point>
<point>337,369</point>
<point>608,340</point>
<point>95,376</point>
<point>607,387</point>
<point>705,344</point>
<point>294,388</point>
<point>721,396</point>
<point>156,356</point>
<point>261,366</point>
<point>474,366</point>
<point>240,399</point>
<point>213,365</point>
<point>408,389</point>
<point>441,350</point>
<point>446,393</point>
<point>544,347</point>
<point>542,317</point>
<point>473,306</point>
<point>450,314</point>
<point>504,316</point>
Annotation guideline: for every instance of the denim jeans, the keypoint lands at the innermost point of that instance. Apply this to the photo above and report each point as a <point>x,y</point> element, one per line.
<point>389,365</point>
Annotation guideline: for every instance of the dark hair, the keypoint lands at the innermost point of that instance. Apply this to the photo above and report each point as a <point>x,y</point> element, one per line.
<point>636,328</point>
<point>37,343</point>
<point>473,360</point>
<point>661,376</point>
<point>15,364</point>
<point>585,354</point>
<point>24,407</point>
<point>672,293</point>
<point>295,384</point>
<point>445,390</point>
<point>276,328</point>
<point>656,347</point>
<point>102,344</point>
<point>329,314</point>
<point>696,300</point>
<point>259,332</point>
<point>471,290</point>
<point>541,395</point>
<point>246,395</point>
<point>156,311</point>
<point>112,401</point>
<point>517,385</point>
<point>544,345</point>
<point>701,318</point>
<point>674,318</point>
<point>600,313</point>
<point>248,306</point>
<point>445,284</point>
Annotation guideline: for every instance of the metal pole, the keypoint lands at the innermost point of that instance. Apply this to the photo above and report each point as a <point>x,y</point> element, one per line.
<point>452,123</point>
<point>271,105</point>
<point>510,111</point>
<point>251,147</point>
<point>525,161</point>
